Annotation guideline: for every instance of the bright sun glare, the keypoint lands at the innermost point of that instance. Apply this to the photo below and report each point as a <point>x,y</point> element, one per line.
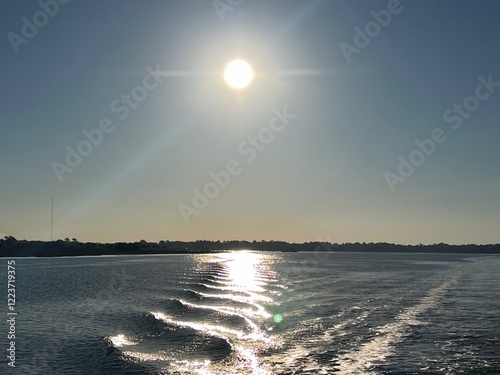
<point>238,74</point>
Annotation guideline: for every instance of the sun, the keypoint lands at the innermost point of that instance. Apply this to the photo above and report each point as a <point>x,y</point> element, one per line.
<point>238,74</point>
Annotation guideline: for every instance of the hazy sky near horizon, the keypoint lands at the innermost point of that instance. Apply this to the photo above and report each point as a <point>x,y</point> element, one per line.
<point>321,177</point>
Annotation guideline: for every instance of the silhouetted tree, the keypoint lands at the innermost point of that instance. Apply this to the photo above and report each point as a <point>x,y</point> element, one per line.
<point>10,240</point>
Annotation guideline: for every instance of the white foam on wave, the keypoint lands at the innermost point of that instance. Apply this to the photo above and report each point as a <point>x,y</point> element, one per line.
<point>147,357</point>
<point>241,299</point>
<point>214,330</point>
<point>360,361</point>
<point>248,362</point>
<point>121,340</point>
<point>233,288</point>
<point>300,354</point>
<point>242,313</point>
<point>251,297</point>
<point>339,329</point>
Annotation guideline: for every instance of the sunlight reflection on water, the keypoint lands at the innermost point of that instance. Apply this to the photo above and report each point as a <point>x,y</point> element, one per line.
<point>240,283</point>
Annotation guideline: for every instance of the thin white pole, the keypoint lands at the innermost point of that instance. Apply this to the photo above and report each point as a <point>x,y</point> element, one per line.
<point>51,217</point>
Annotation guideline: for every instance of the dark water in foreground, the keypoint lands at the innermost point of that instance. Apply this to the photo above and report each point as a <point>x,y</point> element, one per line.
<point>257,313</point>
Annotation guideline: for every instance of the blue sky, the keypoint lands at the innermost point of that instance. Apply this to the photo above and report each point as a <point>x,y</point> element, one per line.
<point>323,176</point>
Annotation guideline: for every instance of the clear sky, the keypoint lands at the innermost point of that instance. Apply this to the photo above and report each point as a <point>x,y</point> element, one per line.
<point>331,172</point>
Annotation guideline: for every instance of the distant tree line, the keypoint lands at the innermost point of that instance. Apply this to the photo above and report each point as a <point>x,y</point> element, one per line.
<point>10,247</point>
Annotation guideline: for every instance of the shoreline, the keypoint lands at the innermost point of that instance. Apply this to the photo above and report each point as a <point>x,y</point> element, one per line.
<point>13,255</point>
<point>11,247</point>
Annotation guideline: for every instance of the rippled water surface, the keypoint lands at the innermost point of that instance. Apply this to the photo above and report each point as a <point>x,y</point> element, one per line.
<point>258,313</point>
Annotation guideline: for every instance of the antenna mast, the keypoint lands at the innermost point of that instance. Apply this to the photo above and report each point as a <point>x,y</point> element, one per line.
<point>51,217</point>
